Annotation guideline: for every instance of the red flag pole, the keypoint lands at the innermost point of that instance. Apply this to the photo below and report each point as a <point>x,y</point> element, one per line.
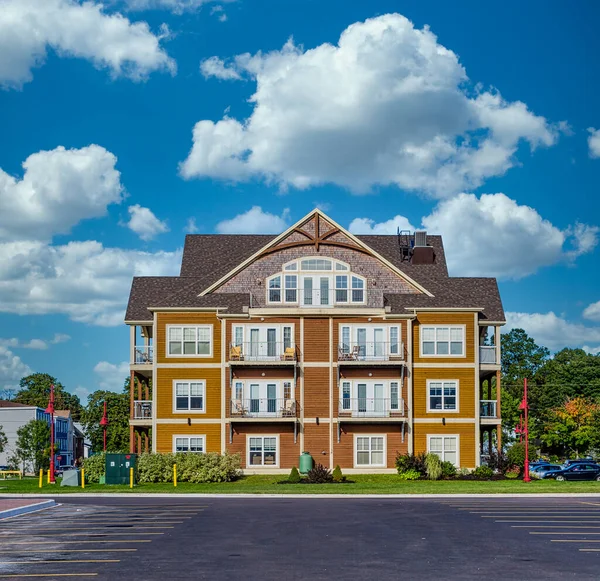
<point>526,476</point>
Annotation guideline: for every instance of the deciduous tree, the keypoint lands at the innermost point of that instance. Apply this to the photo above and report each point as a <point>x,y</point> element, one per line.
<point>33,445</point>
<point>117,407</point>
<point>35,390</point>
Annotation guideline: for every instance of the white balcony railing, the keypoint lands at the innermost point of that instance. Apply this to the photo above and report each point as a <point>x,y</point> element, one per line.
<point>144,354</point>
<point>142,410</point>
<point>487,355</point>
<point>488,408</point>
<point>262,351</point>
<point>372,351</point>
<point>263,408</point>
<point>370,407</point>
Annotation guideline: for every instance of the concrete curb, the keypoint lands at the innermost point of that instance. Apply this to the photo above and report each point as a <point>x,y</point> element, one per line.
<point>337,496</point>
<point>25,509</point>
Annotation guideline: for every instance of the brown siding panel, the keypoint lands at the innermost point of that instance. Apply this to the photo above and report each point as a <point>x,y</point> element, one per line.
<point>316,441</point>
<point>465,431</point>
<point>316,340</point>
<point>316,392</point>
<point>164,435</point>
<point>466,319</point>
<point>466,391</point>
<point>343,453</point>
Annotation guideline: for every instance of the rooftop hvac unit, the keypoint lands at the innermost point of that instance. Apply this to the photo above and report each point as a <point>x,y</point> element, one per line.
<point>421,238</point>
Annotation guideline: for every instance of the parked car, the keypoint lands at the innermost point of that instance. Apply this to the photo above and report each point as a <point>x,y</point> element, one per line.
<point>4,467</point>
<point>540,470</point>
<point>577,471</point>
<point>62,469</point>
<point>580,461</point>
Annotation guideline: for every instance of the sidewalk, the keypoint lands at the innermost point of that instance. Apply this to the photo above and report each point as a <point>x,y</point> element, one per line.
<point>14,507</point>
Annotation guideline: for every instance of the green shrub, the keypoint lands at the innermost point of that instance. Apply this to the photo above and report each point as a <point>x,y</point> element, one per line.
<point>405,462</point>
<point>448,470</point>
<point>211,467</point>
<point>433,465</point>
<point>464,472</point>
<point>516,455</point>
<point>294,476</point>
<point>94,467</point>
<point>319,475</point>
<point>483,472</point>
<point>337,474</point>
<point>409,475</point>
<point>156,468</point>
<point>513,472</point>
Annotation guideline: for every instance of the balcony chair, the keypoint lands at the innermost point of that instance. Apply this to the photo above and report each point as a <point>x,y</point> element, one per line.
<point>343,353</point>
<point>235,353</point>
<point>289,354</point>
<point>142,356</point>
<point>355,353</point>
<point>288,409</point>
<point>238,409</point>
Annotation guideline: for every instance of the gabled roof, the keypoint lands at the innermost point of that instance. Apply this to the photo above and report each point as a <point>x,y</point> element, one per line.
<point>4,403</point>
<point>317,214</point>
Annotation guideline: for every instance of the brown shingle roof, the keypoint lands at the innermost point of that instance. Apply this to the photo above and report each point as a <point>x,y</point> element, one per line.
<point>209,257</point>
<point>13,404</point>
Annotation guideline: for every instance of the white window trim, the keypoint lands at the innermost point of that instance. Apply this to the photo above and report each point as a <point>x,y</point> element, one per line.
<point>194,355</point>
<point>296,288</point>
<point>385,326</point>
<point>189,411</point>
<point>350,289</point>
<point>355,454</point>
<point>448,355</point>
<point>279,275</point>
<point>277,451</point>
<point>457,436</point>
<point>443,411</point>
<point>202,436</point>
<point>260,381</point>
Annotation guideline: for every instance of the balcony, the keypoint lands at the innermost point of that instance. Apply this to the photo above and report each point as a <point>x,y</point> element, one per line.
<point>487,355</point>
<point>372,408</point>
<point>488,409</point>
<point>143,355</point>
<point>142,413</point>
<point>265,409</point>
<point>374,352</point>
<point>261,352</point>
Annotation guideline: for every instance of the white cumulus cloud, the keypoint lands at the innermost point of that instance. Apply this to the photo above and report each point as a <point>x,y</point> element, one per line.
<point>12,369</point>
<point>592,312</point>
<point>28,28</point>
<point>59,188</point>
<point>386,105</point>
<point>594,142</point>
<point>144,223</point>
<point>175,6</point>
<point>492,235</point>
<point>553,331</point>
<point>254,221</point>
<point>111,377</point>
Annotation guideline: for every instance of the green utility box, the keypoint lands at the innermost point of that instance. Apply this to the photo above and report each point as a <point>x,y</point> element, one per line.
<point>306,463</point>
<point>118,466</point>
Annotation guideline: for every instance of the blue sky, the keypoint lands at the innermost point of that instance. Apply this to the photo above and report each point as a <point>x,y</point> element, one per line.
<point>124,127</point>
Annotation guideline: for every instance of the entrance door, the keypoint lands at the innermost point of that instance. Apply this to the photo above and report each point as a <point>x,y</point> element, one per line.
<point>307,287</point>
<point>378,400</point>
<point>316,291</point>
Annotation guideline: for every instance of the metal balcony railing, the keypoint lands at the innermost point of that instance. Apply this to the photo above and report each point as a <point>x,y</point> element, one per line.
<point>487,354</point>
<point>320,297</point>
<point>144,354</point>
<point>369,407</point>
<point>264,408</point>
<point>371,351</point>
<point>142,410</point>
<point>262,351</point>
<point>488,408</point>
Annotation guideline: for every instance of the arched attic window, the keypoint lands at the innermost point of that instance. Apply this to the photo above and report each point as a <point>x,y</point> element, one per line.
<point>316,282</point>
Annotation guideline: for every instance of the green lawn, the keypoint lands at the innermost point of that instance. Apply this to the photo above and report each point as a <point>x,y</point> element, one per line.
<point>363,484</point>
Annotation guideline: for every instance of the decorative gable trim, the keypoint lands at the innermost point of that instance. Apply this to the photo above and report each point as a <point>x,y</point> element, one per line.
<point>318,238</point>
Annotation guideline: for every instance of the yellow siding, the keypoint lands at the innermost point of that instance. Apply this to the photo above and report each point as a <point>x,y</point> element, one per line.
<point>164,391</point>
<point>466,433</point>
<point>165,432</point>
<point>466,391</point>
<point>467,319</point>
<point>164,319</point>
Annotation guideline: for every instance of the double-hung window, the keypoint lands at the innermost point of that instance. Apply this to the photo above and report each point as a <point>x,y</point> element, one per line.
<point>358,290</point>
<point>446,447</point>
<point>190,341</point>
<point>275,289</point>
<point>189,396</point>
<point>443,396</point>
<point>291,288</point>
<point>262,451</point>
<point>449,341</point>
<point>394,396</point>
<point>189,444</point>
<point>341,288</point>
<point>369,451</point>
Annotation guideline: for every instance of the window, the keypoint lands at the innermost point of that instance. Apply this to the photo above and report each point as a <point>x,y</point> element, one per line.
<point>315,264</point>
<point>394,396</point>
<point>238,336</point>
<point>341,266</point>
<point>189,396</point>
<point>291,266</point>
<point>262,451</point>
<point>370,451</point>
<point>287,390</point>
<point>345,346</point>
<point>291,288</point>
<point>358,290</point>
<point>341,289</point>
<point>443,396</point>
<point>275,289</point>
<point>346,390</point>
<point>394,344</point>
<point>287,337</point>
<point>188,444</point>
<point>446,447</point>
<point>190,341</point>
<point>442,341</point>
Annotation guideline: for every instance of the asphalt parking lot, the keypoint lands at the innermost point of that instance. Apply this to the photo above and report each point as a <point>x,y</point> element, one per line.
<point>305,538</point>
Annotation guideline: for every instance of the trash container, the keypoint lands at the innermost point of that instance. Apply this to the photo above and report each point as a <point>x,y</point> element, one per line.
<point>306,462</point>
<point>71,478</point>
<point>117,468</point>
